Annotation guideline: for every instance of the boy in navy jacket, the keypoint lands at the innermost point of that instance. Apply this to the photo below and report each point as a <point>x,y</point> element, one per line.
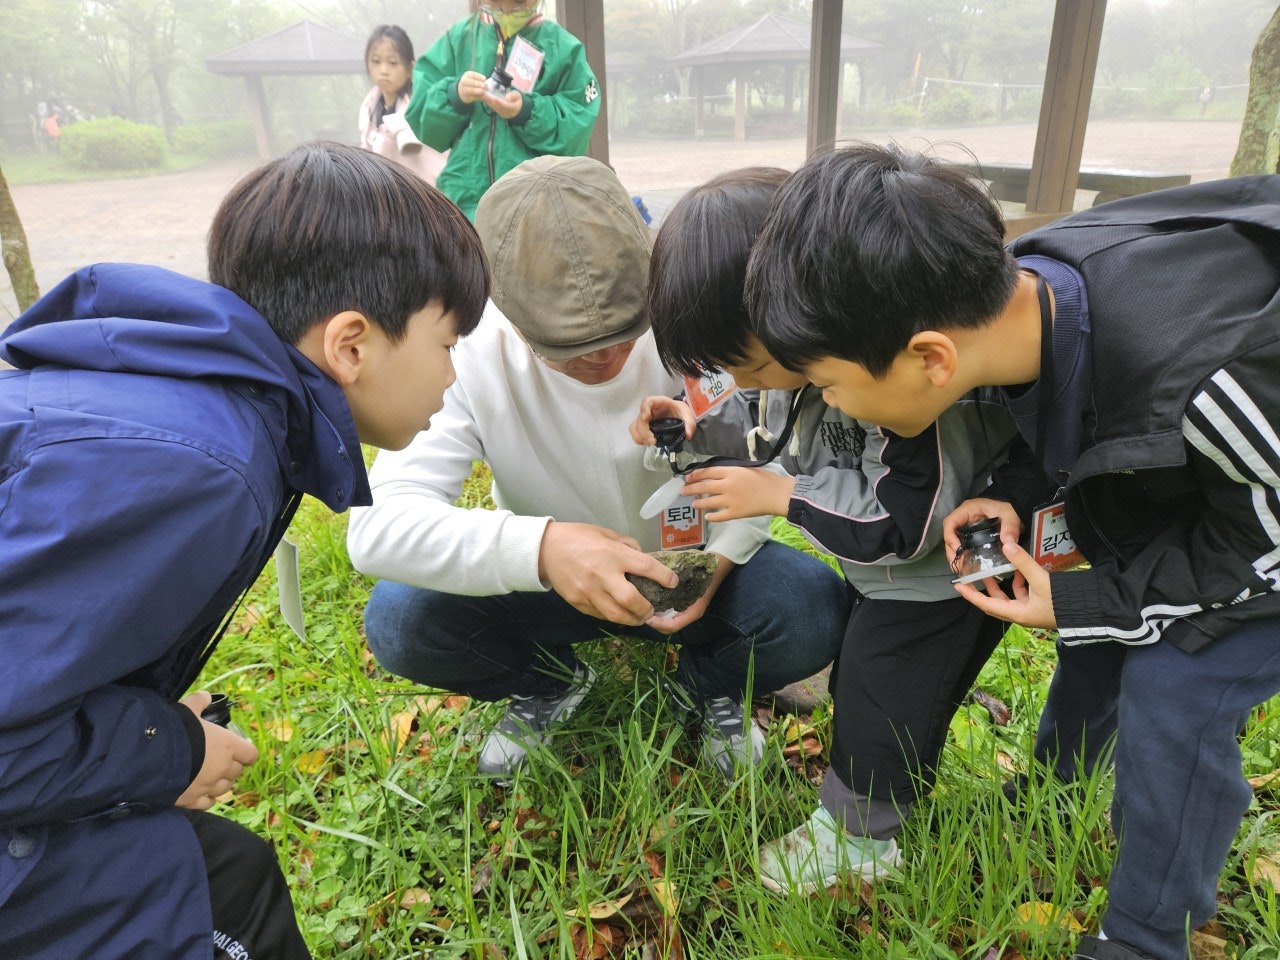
<point>1137,345</point>
<point>156,434</point>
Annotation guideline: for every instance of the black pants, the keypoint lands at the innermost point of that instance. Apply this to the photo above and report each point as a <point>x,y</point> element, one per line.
<point>253,915</point>
<point>904,669</point>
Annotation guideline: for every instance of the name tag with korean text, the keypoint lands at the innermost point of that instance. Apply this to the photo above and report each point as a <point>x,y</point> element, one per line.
<point>704,392</point>
<point>524,64</point>
<point>681,525</point>
<point>1053,547</point>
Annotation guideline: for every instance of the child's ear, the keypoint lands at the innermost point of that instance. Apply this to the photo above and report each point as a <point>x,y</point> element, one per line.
<point>937,355</point>
<point>347,342</point>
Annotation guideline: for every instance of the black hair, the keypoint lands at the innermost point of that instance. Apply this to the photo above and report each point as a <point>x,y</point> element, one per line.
<point>403,45</point>
<point>698,266</point>
<point>868,245</point>
<point>329,227</point>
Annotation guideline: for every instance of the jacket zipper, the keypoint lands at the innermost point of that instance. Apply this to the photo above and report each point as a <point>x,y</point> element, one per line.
<point>493,132</point>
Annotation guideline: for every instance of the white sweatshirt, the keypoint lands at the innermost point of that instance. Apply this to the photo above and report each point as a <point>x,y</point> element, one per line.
<point>559,449</point>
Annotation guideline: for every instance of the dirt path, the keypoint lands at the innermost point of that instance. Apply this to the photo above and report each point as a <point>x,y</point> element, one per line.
<point>164,219</point>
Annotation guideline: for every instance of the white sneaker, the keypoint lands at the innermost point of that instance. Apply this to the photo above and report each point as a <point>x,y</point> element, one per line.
<point>813,856</point>
<point>525,723</point>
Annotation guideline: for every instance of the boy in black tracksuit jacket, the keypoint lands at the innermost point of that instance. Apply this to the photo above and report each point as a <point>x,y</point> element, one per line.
<point>1151,326</point>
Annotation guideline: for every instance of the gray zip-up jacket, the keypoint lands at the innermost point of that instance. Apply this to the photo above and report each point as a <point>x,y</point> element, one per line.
<point>871,498</point>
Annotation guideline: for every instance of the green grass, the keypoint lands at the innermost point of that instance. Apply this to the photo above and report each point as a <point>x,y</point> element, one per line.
<point>615,843</point>
<point>22,169</point>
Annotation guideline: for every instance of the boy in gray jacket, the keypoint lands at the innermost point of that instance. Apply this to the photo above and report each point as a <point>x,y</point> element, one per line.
<point>912,648</point>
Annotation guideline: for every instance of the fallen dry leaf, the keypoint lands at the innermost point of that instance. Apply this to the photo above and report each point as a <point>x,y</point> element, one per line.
<point>1263,869</point>
<point>602,910</point>
<point>310,763</point>
<point>1266,781</point>
<point>808,746</point>
<point>415,897</point>
<point>1206,947</point>
<point>664,894</point>
<point>1044,915</point>
<point>995,707</point>
<point>401,729</point>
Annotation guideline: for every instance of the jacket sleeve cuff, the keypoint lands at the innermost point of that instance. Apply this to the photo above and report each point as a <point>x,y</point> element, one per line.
<point>1076,595</point>
<point>799,497</point>
<point>195,736</point>
<point>738,540</point>
<point>519,546</point>
<point>455,101</point>
<point>526,109</point>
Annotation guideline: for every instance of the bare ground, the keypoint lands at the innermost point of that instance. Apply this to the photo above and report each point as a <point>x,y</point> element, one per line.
<point>164,219</point>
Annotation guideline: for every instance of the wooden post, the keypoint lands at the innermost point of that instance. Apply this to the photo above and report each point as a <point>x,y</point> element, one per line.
<point>585,20</point>
<point>824,75</point>
<point>1064,106</point>
<point>739,108</point>
<point>699,123</point>
<point>261,115</point>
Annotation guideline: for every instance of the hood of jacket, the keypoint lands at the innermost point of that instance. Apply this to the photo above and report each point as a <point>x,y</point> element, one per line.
<point>128,318</point>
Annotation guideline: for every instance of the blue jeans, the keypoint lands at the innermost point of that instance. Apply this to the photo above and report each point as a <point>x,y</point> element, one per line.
<point>778,618</point>
<point>1180,793</point>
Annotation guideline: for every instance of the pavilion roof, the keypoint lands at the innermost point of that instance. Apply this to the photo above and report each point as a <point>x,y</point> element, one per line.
<point>771,39</point>
<point>304,48</point>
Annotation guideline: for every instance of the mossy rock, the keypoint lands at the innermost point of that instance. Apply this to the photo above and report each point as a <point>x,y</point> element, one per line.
<point>693,567</point>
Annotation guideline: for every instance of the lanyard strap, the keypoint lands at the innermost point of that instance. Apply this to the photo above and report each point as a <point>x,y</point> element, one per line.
<point>792,416</point>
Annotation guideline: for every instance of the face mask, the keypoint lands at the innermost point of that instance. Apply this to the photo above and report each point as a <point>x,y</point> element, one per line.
<point>510,23</point>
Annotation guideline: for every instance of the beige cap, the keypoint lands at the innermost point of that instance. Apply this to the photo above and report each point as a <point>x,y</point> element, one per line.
<point>569,254</point>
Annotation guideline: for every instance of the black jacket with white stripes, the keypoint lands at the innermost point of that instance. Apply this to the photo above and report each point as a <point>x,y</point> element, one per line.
<point>1175,498</point>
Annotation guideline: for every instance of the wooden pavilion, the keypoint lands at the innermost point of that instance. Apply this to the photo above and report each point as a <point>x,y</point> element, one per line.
<point>773,39</point>
<point>304,48</point>
<point>1064,106</point>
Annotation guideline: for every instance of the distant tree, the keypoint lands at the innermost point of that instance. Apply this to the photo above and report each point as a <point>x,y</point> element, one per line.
<point>17,255</point>
<point>1258,150</point>
<point>38,60</point>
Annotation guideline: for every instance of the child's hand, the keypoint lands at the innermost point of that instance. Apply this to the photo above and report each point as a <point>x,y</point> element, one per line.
<point>980,508</point>
<point>507,105</point>
<point>651,408</point>
<point>1032,601</point>
<point>692,613</point>
<point>225,756</point>
<point>471,87</point>
<point>731,493</point>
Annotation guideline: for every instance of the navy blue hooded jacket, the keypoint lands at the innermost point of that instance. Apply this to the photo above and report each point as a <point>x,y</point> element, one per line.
<point>150,438</point>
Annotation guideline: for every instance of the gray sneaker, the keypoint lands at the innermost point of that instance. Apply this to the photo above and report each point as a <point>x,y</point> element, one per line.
<point>729,738</point>
<point>525,723</point>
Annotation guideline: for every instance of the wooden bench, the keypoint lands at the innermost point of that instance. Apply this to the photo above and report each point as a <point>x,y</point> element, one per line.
<point>1010,181</point>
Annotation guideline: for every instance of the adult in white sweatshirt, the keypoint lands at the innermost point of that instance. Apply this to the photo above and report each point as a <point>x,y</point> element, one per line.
<point>490,603</point>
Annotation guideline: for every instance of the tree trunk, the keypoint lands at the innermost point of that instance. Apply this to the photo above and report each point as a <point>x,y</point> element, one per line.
<point>17,255</point>
<point>1259,148</point>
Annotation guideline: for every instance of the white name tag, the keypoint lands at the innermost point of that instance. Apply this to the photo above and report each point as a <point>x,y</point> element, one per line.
<point>1053,547</point>
<point>681,525</point>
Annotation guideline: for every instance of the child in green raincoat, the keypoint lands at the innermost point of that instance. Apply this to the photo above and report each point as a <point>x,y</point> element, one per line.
<point>549,104</point>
